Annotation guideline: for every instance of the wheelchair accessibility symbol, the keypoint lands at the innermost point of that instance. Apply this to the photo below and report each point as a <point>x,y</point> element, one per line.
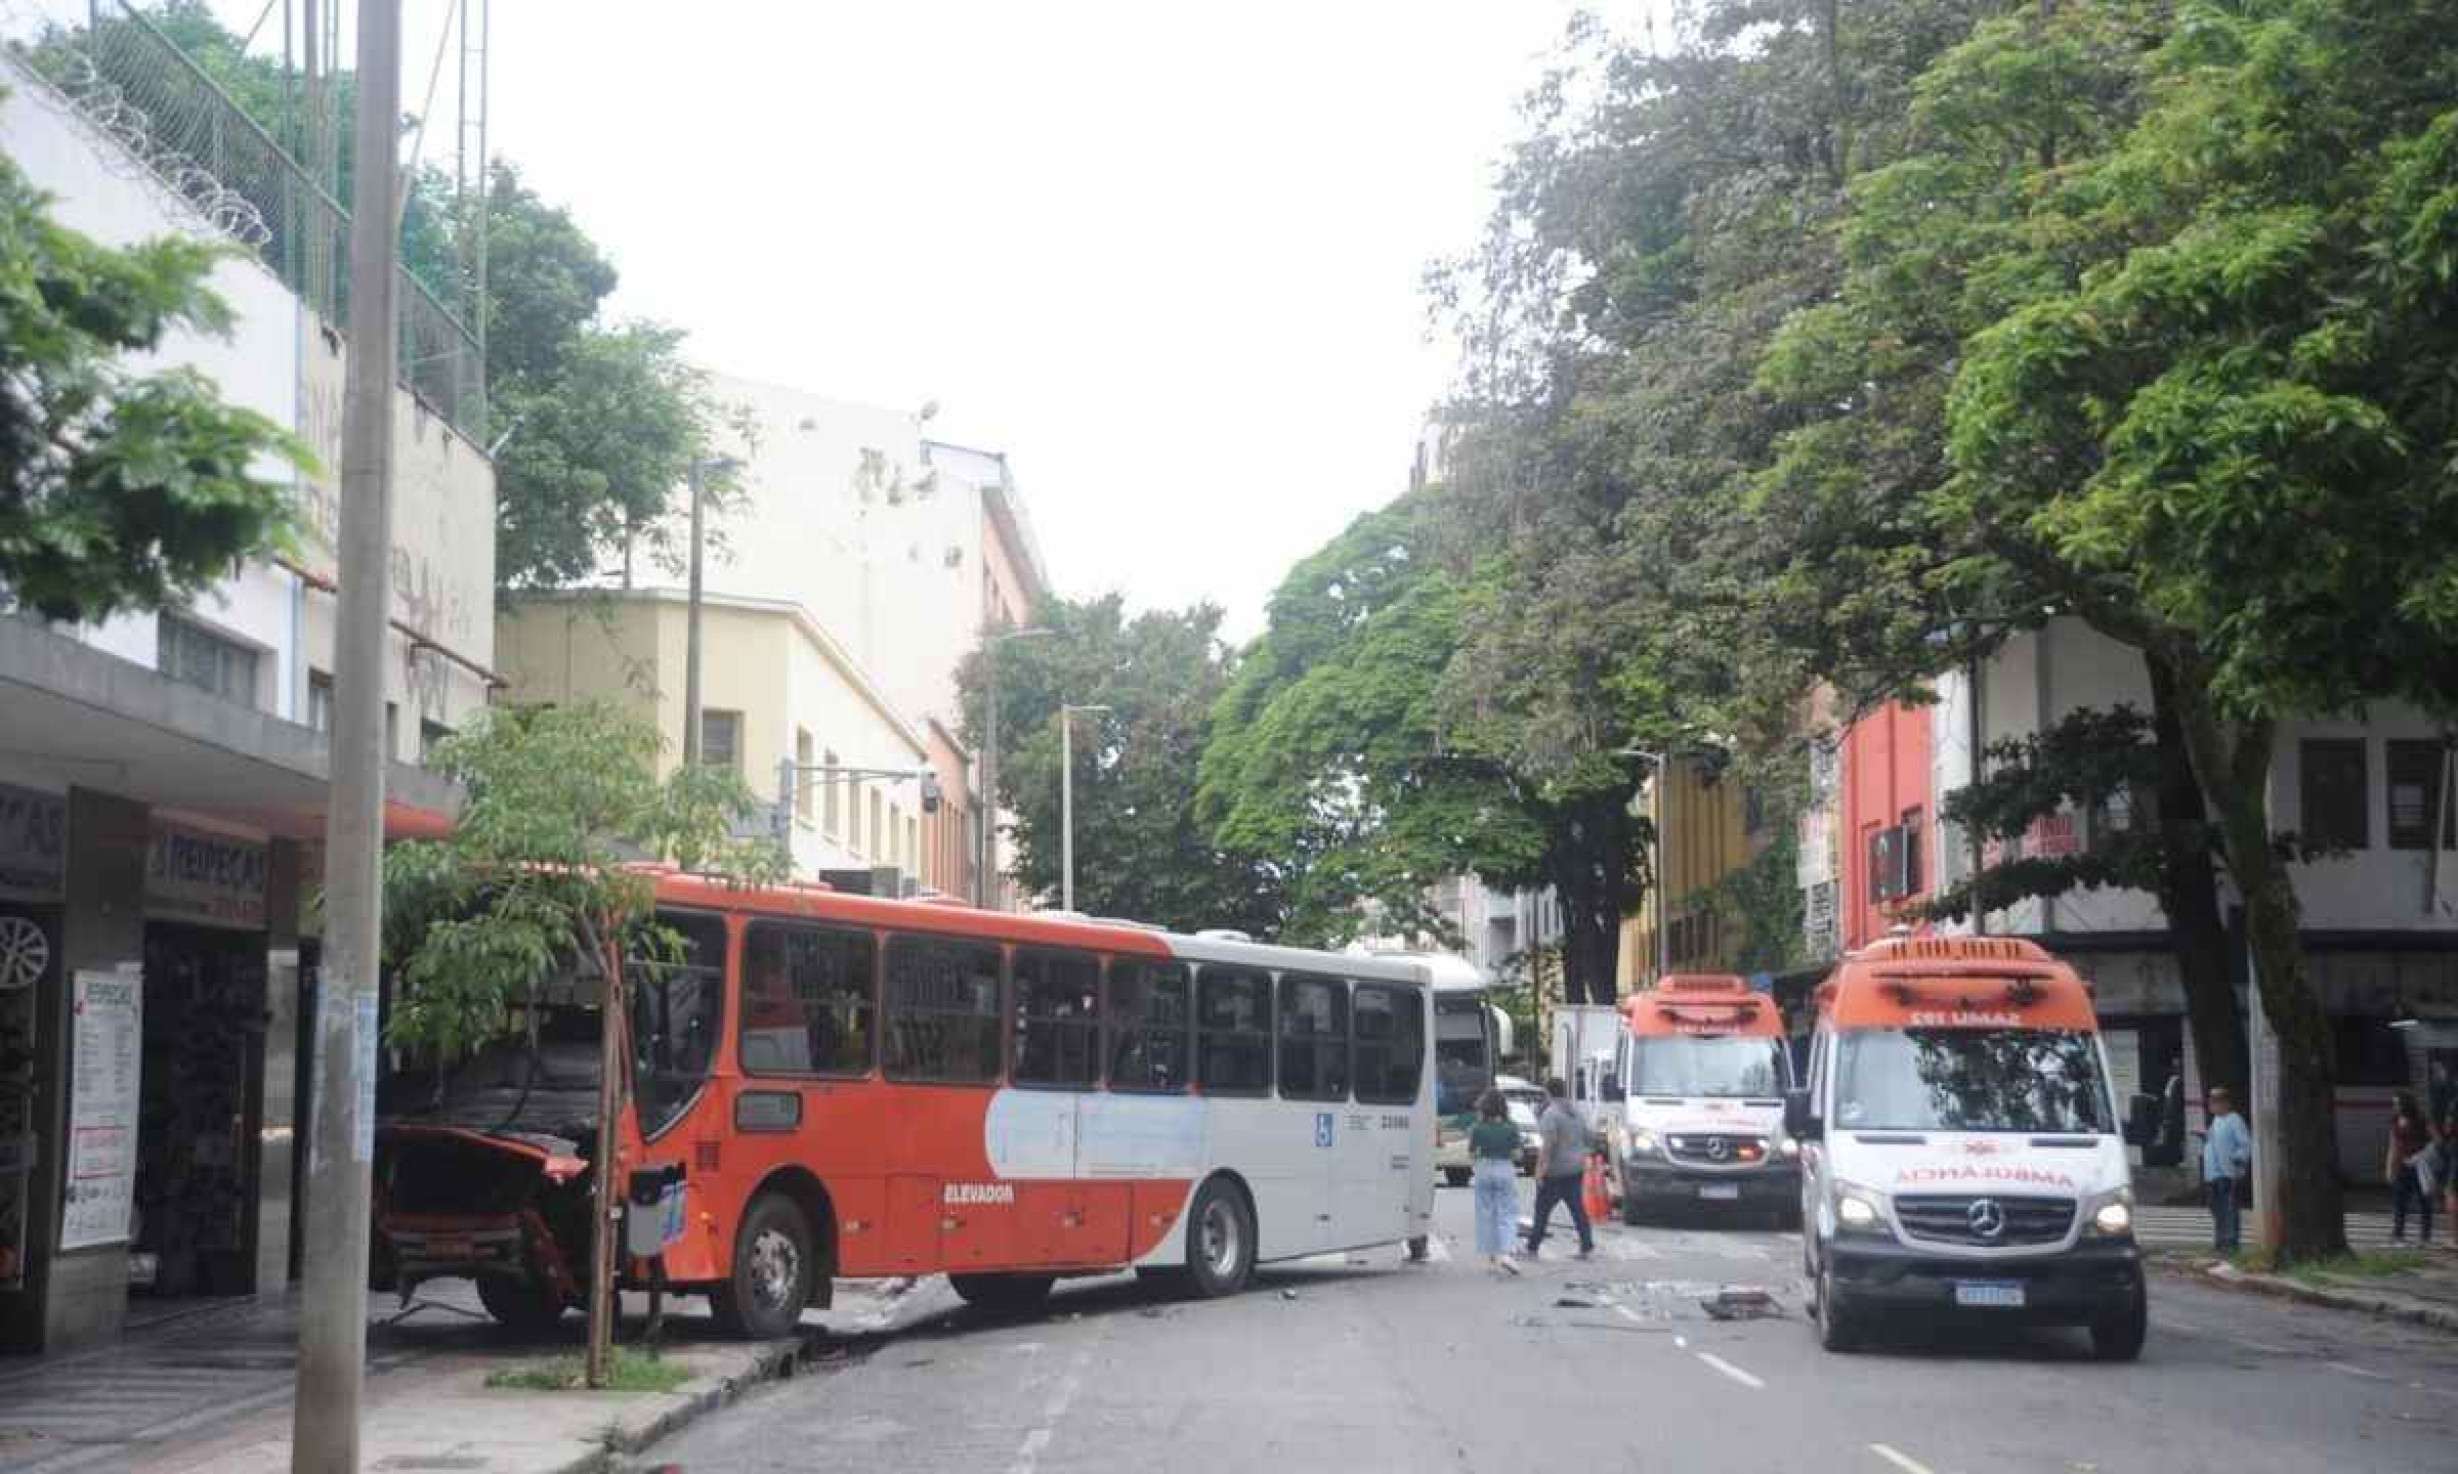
<point>1322,1128</point>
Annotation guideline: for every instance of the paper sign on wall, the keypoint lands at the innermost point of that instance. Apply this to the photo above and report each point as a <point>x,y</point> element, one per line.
<point>107,1033</point>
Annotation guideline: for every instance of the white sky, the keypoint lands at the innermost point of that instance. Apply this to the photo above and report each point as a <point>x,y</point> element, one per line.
<point>1167,255</point>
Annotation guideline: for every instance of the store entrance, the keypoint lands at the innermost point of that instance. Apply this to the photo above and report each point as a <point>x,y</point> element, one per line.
<point>194,1234</point>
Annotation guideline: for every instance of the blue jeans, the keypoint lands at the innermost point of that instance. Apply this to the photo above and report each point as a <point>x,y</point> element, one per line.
<point>1563,1188</point>
<point>1497,1202</point>
<point>2227,1229</point>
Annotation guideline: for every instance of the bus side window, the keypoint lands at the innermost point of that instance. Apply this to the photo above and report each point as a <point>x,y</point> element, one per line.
<point>943,1010</point>
<point>808,1000</point>
<point>1390,1022</point>
<point>1058,1017</point>
<point>1313,1038</point>
<point>1233,1016</point>
<point>1148,1017</point>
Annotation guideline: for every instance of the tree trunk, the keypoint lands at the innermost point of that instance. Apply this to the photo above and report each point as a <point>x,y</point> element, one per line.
<point>2189,894</point>
<point>1588,863</point>
<point>2232,759</point>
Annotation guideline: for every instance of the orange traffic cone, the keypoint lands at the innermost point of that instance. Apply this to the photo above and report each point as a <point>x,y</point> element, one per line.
<point>1592,1192</point>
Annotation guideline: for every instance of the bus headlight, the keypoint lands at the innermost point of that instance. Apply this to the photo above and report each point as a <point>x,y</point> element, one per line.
<point>1858,1211</point>
<point>2113,1218</point>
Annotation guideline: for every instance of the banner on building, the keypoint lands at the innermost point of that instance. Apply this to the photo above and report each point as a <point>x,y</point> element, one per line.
<point>211,879</point>
<point>107,1037</point>
<point>33,843</point>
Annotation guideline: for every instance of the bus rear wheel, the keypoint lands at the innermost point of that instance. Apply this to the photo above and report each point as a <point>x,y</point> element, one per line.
<point>1220,1241</point>
<point>1003,1294</point>
<point>774,1269</point>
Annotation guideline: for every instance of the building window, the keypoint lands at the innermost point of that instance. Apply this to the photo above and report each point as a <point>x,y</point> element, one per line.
<point>430,734</point>
<point>1915,879</point>
<point>2416,796</point>
<point>1234,1020</point>
<point>913,844</point>
<point>803,776</point>
<point>2369,1051</point>
<point>1313,1038</point>
<point>831,818</point>
<point>721,739</point>
<point>1148,1019</point>
<point>1886,876</point>
<point>806,1000</point>
<point>895,843</point>
<point>319,701</point>
<point>2331,811</point>
<point>943,1010</point>
<point>1058,1018</point>
<point>878,831</point>
<point>195,656</point>
<point>1390,1024</point>
<point>392,731</point>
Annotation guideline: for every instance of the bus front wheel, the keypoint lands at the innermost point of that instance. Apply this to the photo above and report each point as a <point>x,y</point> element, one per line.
<point>774,1268</point>
<point>1220,1240</point>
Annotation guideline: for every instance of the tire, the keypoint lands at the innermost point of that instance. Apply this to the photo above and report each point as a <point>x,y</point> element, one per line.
<point>775,1268</point>
<point>1220,1241</point>
<point>1419,1248</point>
<point>528,1306</point>
<point>1838,1329</point>
<point>2119,1337</point>
<point>1455,1176</point>
<point>1002,1294</point>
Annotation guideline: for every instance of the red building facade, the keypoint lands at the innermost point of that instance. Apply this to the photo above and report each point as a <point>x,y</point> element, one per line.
<point>1889,849</point>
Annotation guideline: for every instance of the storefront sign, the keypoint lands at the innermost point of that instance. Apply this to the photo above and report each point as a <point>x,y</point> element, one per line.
<point>108,1037</point>
<point>33,843</point>
<point>194,876</point>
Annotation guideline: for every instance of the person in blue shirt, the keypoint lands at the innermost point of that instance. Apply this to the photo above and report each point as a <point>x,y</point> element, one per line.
<point>2227,1154</point>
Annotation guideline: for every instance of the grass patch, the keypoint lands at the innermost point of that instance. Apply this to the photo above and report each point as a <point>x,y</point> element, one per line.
<point>2375,1264</point>
<point>628,1371</point>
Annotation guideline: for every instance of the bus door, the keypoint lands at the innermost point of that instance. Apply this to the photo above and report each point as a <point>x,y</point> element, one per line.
<point>948,1199</point>
<point>1314,1078</point>
<point>1036,1127</point>
<point>1379,1153</point>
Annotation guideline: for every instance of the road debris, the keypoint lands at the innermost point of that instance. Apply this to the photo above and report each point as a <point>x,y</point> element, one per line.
<point>1741,1302</point>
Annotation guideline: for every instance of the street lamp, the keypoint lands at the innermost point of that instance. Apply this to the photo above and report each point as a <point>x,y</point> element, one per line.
<point>1066,803</point>
<point>701,469</point>
<point>986,806</point>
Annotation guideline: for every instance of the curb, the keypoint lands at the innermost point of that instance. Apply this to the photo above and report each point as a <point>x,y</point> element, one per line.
<point>2383,1306</point>
<point>774,1363</point>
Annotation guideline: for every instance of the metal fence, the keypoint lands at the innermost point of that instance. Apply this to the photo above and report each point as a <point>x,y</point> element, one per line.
<point>175,121</point>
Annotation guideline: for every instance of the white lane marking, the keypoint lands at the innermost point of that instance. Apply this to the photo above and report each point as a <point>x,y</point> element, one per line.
<point>1029,1453</point>
<point>1900,1460</point>
<point>2357,1371</point>
<point>1734,1372</point>
<point>1628,1314</point>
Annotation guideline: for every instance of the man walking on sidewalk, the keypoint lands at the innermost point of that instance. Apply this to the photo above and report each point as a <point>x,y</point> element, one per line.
<point>2227,1154</point>
<point>1561,1158</point>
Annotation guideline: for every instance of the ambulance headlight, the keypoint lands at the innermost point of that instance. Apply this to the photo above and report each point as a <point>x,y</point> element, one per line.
<point>1789,1148</point>
<point>2113,1215</point>
<point>1858,1211</point>
<point>1643,1143</point>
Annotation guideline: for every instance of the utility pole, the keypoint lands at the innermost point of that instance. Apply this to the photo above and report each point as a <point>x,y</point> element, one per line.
<point>333,1319</point>
<point>698,476</point>
<point>1066,803</point>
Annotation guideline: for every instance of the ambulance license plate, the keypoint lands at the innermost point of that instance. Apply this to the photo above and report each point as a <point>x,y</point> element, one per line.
<point>1719,1192</point>
<point>1989,1294</point>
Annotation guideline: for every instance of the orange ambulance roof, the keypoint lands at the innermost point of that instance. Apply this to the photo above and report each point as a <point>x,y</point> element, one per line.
<point>1956,982</point>
<point>1701,1003</point>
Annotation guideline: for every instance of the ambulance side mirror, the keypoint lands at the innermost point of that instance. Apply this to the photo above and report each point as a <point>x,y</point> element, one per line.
<point>1800,1122</point>
<point>2142,1121</point>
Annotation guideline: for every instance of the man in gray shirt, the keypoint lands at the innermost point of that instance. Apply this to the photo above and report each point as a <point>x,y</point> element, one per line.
<point>1561,1156</point>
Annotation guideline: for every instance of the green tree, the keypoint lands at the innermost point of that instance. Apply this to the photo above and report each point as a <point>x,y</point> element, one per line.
<point>1140,850</point>
<point>119,489</point>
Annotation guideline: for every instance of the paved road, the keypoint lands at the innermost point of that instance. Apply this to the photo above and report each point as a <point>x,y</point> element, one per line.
<point>1356,1367</point>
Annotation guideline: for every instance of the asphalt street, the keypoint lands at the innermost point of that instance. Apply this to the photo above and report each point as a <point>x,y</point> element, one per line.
<point>1363,1363</point>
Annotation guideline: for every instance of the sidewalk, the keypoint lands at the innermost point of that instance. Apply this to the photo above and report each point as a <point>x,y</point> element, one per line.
<point>212,1393</point>
<point>2419,1286</point>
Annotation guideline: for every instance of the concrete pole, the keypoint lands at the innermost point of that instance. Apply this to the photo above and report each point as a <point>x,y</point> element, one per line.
<point>333,1317</point>
<point>691,633</point>
<point>1066,808</point>
<point>986,803</point>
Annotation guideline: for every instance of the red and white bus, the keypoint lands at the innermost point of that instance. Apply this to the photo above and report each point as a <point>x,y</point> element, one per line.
<point>850,1087</point>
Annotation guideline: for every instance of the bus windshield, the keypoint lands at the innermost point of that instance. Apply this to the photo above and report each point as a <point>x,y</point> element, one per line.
<point>1463,1052</point>
<point>1685,1064</point>
<point>2031,1080</point>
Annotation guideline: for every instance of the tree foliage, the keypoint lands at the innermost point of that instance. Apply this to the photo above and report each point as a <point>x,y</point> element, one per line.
<point>1140,850</point>
<point>540,870</point>
<point>119,489</point>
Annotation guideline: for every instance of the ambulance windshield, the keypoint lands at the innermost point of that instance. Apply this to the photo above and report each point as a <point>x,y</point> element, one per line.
<point>2031,1080</point>
<point>1692,1065</point>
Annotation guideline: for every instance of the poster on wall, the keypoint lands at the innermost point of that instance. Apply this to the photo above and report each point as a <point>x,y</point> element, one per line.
<point>107,1040</point>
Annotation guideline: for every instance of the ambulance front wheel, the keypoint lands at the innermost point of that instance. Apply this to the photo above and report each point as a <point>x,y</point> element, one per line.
<point>2119,1337</point>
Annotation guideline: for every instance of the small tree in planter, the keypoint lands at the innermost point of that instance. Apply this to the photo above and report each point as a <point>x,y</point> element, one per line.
<point>539,875</point>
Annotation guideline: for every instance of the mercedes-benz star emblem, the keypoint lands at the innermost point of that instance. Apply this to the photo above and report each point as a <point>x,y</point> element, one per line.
<point>1718,1148</point>
<point>1986,1217</point>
